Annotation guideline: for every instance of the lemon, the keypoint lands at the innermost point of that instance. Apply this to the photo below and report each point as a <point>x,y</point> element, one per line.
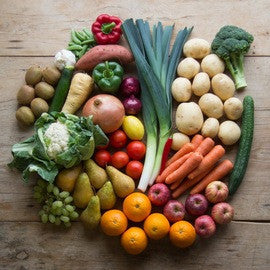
<point>133,127</point>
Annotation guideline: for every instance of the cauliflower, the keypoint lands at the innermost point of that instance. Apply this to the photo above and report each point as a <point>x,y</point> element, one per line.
<point>57,137</point>
<point>64,58</point>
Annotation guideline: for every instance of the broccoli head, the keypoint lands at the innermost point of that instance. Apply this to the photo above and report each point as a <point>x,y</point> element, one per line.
<point>231,43</point>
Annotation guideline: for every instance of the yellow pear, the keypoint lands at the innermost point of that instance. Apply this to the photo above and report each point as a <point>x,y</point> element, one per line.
<point>107,196</point>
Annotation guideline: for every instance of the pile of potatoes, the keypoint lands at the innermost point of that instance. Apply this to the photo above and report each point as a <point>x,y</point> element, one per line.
<point>199,73</point>
<point>34,95</point>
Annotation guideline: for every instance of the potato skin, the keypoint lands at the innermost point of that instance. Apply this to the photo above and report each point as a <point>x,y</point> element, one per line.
<point>211,105</point>
<point>179,139</point>
<point>212,65</point>
<point>223,86</point>
<point>201,84</point>
<point>189,118</point>
<point>229,132</point>
<point>188,68</point>
<point>197,48</point>
<point>210,127</point>
<point>233,108</point>
<point>181,89</point>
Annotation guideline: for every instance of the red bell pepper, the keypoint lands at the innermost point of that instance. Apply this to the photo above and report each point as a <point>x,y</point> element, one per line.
<point>107,29</point>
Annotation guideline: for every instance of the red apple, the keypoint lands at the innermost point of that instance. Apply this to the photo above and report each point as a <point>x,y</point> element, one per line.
<point>174,211</point>
<point>216,191</point>
<point>196,204</point>
<point>222,213</point>
<point>205,226</point>
<point>159,194</point>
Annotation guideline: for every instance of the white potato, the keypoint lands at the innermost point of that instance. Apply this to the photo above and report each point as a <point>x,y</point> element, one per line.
<point>233,108</point>
<point>229,132</point>
<point>178,140</point>
<point>212,65</point>
<point>211,105</point>
<point>197,48</point>
<point>188,68</point>
<point>200,84</point>
<point>210,127</point>
<point>189,118</point>
<point>181,89</point>
<point>223,86</point>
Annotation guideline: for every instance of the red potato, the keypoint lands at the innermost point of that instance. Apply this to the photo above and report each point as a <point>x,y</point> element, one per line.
<point>103,53</point>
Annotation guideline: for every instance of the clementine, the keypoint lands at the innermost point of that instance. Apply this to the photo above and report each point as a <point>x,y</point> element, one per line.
<point>156,226</point>
<point>137,206</point>
<point>182,234</point>
<point>113,222</point>
<point>134,240</point>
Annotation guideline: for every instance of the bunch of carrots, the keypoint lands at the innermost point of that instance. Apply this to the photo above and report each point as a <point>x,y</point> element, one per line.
<point>195,165</point>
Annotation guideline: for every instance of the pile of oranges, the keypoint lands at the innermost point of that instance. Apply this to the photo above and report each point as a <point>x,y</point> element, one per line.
<point>137,208</point>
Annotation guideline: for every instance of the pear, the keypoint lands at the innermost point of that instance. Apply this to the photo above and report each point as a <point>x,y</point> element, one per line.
<point>96,174</point>
<point>123,185</point>
<point>107,196</point>
<point>91,215</point>
<point>83,191</point>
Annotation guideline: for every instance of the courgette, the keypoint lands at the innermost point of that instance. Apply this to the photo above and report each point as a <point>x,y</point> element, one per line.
<point>243,153</point>
<point>62,89</point>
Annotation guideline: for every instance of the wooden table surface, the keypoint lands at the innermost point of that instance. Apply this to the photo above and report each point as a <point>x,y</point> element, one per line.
<point>31,32</point>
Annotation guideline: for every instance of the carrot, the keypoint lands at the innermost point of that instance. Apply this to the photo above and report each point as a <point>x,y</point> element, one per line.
<point>103,53</point>
<point>80,88</point>
<point>171,168</point>
<point>208,161</point>
<point>206,146</point>
<point>175,185</point>
<point>196,140</point>
<point>221,170</point>
<point>188,166</point>
<point>186,148</point>
<point>179,190</point>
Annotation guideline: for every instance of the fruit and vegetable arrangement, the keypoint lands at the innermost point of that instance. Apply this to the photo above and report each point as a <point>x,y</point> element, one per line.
<point>107,148</point>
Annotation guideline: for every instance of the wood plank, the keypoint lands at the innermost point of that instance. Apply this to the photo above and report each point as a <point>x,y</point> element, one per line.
<point>35,246</point>
<point>42,27</point>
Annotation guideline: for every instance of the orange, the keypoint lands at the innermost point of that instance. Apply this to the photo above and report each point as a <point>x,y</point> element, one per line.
<point>182,234</point>
<point>113,222</point>
<point>156,226</point>
<point>134,240</point>
<point>137,206</point>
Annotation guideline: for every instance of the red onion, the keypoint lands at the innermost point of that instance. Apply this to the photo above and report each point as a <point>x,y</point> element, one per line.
<point>132,105</point>
<point>130,86</point>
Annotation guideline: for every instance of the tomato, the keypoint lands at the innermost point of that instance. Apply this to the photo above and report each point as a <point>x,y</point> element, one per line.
<point>102,158</point>
<point>134,169</point>
<point>136,150</point>
<point>118,139</point>
<point>102,147</point>
<point>120,159</point>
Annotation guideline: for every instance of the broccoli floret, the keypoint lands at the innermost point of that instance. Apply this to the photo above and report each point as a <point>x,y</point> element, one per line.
<point>231,43</point>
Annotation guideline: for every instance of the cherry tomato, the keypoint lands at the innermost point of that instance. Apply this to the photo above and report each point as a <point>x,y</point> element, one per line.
<point>118,139</point>
<point>103,147</point>
<point>120,159</point>
<point>136,150</point>
<point>102,157</point>
<point>134,169</point>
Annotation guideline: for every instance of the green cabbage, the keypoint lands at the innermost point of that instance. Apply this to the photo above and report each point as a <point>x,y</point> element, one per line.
<point>31,155</point>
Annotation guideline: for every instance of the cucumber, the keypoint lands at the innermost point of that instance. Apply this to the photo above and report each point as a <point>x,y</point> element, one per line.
<point>243,153</point>
<point>61,90</point>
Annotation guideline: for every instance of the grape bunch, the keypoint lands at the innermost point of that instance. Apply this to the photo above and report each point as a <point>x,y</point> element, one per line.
<point>57,206</point>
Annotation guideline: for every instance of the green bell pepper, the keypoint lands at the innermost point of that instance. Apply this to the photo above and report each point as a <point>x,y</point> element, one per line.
<point>108,76</point>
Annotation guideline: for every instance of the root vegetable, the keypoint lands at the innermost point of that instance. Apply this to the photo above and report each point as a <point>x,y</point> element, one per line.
<point>223,86</point>
<point>211,105</point>
<point>178,140</point>
<point>229,132</point>
<point>205,147</point>
<point>197,48</point>
<point>233,108</point>
<point>188,68</point>
<point>196,140</point>
<point>181,89</point>
<point>212,65</point>
<point>44,90</point>
<point>210,127</point>
<point>25,116</point>
<point>39,106</point>
<point>189,118</point>
<point>25,95</point>
<point>200,84</point>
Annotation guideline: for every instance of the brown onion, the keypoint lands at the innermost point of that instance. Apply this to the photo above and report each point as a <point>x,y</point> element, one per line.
<point>108,112</point>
